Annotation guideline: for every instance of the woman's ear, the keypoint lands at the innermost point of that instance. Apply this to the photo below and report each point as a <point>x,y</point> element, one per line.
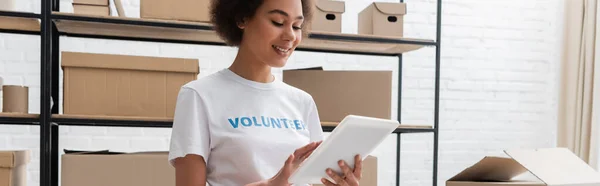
<point>241,23</point>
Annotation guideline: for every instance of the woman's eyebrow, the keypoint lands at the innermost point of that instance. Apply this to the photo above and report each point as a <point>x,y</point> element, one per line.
<point>277,11</point>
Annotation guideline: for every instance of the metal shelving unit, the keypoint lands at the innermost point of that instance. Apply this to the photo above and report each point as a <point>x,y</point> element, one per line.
<point>51,24</point>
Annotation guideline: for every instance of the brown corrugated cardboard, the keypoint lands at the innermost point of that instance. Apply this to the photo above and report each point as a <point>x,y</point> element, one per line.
<point>340,93</point>
<point>91,2</point>
<point>383,19</point>
<point>129,169</point>
<point>13,167</point>
<point>182,10</point>
<point>552,166</point>
<point>327,16</point>
<point>15,99</point>
<point>369,172</point>
<point>91,9</point>
<point>124,85</point>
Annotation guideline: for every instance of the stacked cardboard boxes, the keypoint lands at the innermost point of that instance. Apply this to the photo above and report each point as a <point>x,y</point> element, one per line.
<point>91,7</point>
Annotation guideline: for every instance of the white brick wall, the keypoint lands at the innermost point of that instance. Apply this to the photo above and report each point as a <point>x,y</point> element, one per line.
<point>498,87</point>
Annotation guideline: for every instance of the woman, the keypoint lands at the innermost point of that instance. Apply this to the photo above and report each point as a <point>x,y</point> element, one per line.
<point>241,125</point>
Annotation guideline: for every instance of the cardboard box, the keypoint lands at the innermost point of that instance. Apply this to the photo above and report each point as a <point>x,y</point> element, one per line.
<point>91,2</point>
<point>369,172</point>
<point>15,99</point>
<point>91,9</point>
<point>121,85</point>
<point>382,19</point>
<point>327,16</point>
<point>182,10</point>
<point>13,167</point>
<point>126,169</point>
<point>340,93</point>
<point>553,167</point>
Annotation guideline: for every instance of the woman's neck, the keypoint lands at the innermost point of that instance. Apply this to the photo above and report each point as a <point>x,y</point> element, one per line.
<point>247,66</point>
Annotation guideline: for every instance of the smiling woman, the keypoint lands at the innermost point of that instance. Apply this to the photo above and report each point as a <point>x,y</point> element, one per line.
<point>241,125</point>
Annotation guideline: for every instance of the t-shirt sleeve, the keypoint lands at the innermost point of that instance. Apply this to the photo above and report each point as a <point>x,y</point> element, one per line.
<point>190,132</point>
<point>314,123</point>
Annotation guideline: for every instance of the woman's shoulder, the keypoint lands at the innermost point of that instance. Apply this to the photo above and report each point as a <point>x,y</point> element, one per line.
<point>205,83</point>
<point>296,92</point>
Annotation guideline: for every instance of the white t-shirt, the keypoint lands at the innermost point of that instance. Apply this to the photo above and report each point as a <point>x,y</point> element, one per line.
<point>245,130</point>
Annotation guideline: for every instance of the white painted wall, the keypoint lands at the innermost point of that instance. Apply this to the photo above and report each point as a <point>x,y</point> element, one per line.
<point>498,88</point>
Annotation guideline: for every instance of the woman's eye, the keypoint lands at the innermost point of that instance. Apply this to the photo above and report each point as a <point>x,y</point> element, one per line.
<point>297,28</point>
<point>276,23</point>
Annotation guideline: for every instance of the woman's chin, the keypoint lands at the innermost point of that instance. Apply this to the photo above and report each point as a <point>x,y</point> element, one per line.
<point>278,64</point>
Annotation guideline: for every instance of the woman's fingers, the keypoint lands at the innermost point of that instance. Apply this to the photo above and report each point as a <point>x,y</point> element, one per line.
<point>327,182</point>
<point>346,170</point>
<point>301,152</point>
<point>337,178</point>
<point>358,166</point>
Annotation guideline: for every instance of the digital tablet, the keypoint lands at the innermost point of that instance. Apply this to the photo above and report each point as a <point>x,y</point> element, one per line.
<point>354,135</point>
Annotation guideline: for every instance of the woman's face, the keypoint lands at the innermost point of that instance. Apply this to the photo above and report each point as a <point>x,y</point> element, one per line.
<point>274,31</point>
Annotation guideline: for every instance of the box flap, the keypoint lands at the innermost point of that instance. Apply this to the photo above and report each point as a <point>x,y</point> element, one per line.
<point>391,8</point>
<point>555,166</point>
<point>491,169</point>
<point>331,6</point>
<point>10,159</point>
<point>128,62</point>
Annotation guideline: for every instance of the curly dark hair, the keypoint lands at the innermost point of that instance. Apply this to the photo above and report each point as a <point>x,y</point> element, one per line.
<point>226,14</point>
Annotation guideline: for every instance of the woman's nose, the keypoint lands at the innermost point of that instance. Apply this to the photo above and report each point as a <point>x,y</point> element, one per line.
<point>288,34</point>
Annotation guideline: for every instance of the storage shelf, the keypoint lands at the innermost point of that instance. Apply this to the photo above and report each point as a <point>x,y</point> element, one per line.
<point>19,23</point>
<point>18,119</point>
<point>117,121</point>
<point>111,121</point>
<point>110,27</point>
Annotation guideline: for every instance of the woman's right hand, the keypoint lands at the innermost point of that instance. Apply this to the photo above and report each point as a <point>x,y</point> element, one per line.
<point>291,164</point>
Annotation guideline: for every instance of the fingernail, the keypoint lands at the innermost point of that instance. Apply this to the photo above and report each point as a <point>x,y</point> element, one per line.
<point>341,162</point>
<point>329,171</point>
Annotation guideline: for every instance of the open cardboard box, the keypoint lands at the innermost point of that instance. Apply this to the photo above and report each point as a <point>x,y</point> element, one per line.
<point>551,166</point>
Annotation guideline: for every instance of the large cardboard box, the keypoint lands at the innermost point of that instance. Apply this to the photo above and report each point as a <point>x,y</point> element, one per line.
<point>382,19</point>
<point>13,167</point>
<point>92,2</point>
<point>122,85</point>
<point>327,16</point>
<point>369,172</point>
<point>552,166</point>
<point>121,169</point>
<point>91,9</point>
<point>340,93</point>
<point>181,10</point>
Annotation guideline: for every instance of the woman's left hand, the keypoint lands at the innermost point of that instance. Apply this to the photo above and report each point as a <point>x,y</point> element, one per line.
<point>349,177</point>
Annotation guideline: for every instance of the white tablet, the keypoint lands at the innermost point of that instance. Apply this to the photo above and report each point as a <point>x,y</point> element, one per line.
<point>354,135</point>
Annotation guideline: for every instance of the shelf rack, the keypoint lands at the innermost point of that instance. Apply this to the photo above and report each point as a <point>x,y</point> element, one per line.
<point>51,24</point>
